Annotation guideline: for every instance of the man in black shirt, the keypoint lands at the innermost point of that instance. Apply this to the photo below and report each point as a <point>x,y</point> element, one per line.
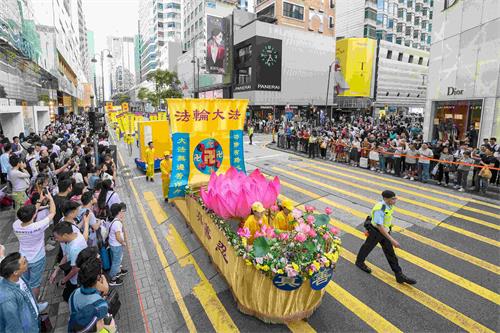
<point>65,188</point>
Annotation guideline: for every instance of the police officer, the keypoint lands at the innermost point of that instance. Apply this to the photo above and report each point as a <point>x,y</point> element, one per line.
<point>379,231</point>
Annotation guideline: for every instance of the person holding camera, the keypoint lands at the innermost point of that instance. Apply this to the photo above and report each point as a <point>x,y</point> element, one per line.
<point>116,239</point>
<point>379,225</point>
<point>20,180</point>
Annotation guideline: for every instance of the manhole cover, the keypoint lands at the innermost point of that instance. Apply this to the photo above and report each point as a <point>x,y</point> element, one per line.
<point>295,159</point>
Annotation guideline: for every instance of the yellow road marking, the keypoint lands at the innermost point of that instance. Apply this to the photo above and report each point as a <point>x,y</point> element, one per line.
<point>365,313</point>
<point>163,260</point>
<point>428,266</point>
<point>400,198</point>
<point>400,210</point>
<point>424,240</point>
<point>300,326</point>
<point>419,186</point>
<point>423,298</point>
<point>204,291</point>
<point>159,213</point>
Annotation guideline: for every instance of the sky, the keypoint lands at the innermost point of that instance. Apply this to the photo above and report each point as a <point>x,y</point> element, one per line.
<point>110,18</point>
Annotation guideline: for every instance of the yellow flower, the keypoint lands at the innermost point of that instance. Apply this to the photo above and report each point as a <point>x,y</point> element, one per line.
<point>244,242</point>
<point>316,264</point>
<point>265,268</point>
<point>248,262</point>
<point>310,272</point>
<point>327,263</point>
<point>295,266</point>
<point>258,266</point>
<point>280,271</point>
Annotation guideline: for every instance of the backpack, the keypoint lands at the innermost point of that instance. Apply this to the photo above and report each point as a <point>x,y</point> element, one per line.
<point>79,320</point>
<point>104,213</point>
<point>28,167</point>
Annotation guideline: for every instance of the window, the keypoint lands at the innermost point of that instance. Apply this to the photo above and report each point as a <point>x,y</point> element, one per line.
<point>390,38</point>
<point>390,24</point>
<point>244,75</point>
<point>370,31</point>
<point>381,34</point>
<point>389,54</point>
<point>332,4</point>
<point>330,22</point>
<point>420,60</point>
<point>172,25</point>
<point>293,11</point>
<point>399,40</point>
<point>410,59</point>
<point>171,15</point>
<point>160,15</point>
<point>370,14</point>
<point>380,4</point>
<point>268,11</point>
<point>160,25</point>
<point>400,56</point>
<point>244,54</point>
<point>173,5</point>
<point>160,6</point>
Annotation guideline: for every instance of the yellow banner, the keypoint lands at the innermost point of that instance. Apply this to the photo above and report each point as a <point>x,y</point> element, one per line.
<point>125,107</point>
<point>158,132</point>
<point>109,106</point>
<point>354,70</point>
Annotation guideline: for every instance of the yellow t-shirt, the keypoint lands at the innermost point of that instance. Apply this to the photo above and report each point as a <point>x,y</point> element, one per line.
<point>252,224</point>
<point>166,168</point>
<point>150,156</point>
<point>283,222</point>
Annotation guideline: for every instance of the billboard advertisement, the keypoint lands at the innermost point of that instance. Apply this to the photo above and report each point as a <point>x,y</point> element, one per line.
<point>217,44</point>
<point>353,69</point>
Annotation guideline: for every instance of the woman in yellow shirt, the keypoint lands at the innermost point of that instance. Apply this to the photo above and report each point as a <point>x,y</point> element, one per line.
<point>284,220</point>
<point>255,221</point>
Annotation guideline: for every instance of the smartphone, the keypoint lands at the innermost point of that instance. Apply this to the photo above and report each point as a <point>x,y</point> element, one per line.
<point>87,212</point>
<point>45,192</point>
<point>107,319</point>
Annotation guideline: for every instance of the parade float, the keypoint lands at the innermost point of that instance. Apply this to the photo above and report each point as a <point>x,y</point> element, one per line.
<point>276,275</point>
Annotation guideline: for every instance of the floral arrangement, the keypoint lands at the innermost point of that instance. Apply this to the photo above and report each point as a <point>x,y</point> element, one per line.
<point>232,194</point>
<point>313,244</point>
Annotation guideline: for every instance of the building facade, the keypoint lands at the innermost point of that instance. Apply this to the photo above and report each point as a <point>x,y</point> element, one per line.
<point>123,63</point>
<point>311,15</point>
<point>159,22</point>
<point>464,71</point>
<point>403,22</point>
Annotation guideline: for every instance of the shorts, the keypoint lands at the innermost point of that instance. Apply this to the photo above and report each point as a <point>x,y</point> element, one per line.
<point>373,156</point>
<point>411,167</point>
<point>34,273</point>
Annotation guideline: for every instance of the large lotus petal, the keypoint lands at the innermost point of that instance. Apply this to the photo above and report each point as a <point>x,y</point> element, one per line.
<point>243,208</point>
<point>222,210</point>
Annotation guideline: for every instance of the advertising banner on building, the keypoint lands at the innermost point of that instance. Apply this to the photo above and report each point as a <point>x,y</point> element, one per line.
<point>217,44</point>
<point>207,137</point>
<point>268,63</point>
<point>353,69</point>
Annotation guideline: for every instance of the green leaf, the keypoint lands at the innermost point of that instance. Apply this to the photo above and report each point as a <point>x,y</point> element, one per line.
<point>321,219</point>
<point>310,246</point>
<point>261,247</point>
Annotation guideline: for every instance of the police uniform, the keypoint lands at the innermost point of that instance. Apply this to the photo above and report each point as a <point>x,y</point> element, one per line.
<point>381,214</point>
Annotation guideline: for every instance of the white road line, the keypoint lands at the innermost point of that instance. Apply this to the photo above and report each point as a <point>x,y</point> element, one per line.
<point>262,157</point>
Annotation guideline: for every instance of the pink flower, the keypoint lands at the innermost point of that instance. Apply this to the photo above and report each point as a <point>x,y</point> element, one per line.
<point>296,213</point>
<point>313,268</point>
<point>290,272</point>
<point>300,237</point>
<point>310,219</point>
<point>326,236</point>
<point>328,211</point>
<point>274,208</point>
<point>309,209</point>
<point>268,231</point>
<point>283,236</point>
<point>303,228</point>
<point>244,232</point>
<point>334,230</point>
<point>312,233</point>
<point>301,220</point>
<point>258,234</point>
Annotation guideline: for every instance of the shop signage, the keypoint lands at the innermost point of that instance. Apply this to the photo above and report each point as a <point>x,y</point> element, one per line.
<point>449,3</point>
<point>452,91</point>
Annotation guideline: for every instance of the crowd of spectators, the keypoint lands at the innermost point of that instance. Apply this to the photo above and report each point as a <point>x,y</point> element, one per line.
<point>62,198</point>
<point>395,145</point>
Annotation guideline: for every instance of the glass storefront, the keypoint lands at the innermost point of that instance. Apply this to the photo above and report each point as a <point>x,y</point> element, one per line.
<point>452,119</point>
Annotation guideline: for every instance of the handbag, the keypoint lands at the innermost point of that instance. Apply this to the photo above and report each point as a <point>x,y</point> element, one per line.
<point>114,303</point>
<point>435,169</point>
<point>485,173</point>
<point>45,324</point>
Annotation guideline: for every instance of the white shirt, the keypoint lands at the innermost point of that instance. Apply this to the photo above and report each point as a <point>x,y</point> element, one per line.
<point>31,239</point>
<point>20,180</point>
<point>426,153</point>
<point>27,290</point>
<point>73,248</point>
<point>115,226</point>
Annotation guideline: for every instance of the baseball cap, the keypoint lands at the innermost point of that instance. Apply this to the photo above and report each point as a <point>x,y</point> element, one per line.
<point>287,203</point>
<point>388,194</point>
<point>166,153</point>
<point>258,207</point>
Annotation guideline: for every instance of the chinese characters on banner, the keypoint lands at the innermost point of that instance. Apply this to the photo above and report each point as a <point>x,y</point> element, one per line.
<point>180,165</point>
<point>214,129</point>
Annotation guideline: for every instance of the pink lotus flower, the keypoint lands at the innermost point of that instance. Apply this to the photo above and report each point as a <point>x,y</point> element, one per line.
<point>268,231</point>
<point>303,228</point>
<point>258,234</point>
<point>290,272</point>
<point>334,230</point>
<point>328,211</point>
<point>244,232</point>
<point>309,209</point>
<point>326,236</point>
<point>283,236</point>
<point>312,233</point>
<point>233,193</point>
<point>274,208</point>
<point>310,219</point>
<point>296,213</point>
<point>301,220</point>
<point>300,237</point>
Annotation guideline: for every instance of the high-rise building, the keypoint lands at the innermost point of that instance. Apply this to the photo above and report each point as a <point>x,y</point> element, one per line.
<point>248,5</point>
<point>91,51</point>
<point>84,47</point>
<point>309,15</point>
<point>123,63</point>
<point>404,22</point>
<point>159,23</point>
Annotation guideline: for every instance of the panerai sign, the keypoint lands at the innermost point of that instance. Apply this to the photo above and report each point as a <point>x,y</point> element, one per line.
<point>449,3</point>
<point>452,91</point>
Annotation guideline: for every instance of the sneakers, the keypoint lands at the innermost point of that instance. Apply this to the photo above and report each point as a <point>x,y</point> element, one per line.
<point>123,272</point>
<point>115,282</point>
<point>401,278</point>
<point>411,178</point>
<point>42,306</point>
<point>445,185</point>
<point>393,172</point>
<point>405,177</point>
<point>49,247</point>
<point>456,187</point>
<point>439,183</point>
<point>362,266</point>
<point>372,169</point>
<point>461,189</point>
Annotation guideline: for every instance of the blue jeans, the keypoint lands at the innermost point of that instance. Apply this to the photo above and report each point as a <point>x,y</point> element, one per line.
<point>381,162</point>
<point>34,273</point>
<point>116,260</point>
<point>424,167</point>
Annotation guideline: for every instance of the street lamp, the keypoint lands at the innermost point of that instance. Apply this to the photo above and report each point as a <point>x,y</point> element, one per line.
<point>94,60</point>
<point>328,89</point>
<point>196,73</point>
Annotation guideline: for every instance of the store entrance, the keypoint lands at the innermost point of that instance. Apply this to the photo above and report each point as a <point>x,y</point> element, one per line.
<point>453,119</point>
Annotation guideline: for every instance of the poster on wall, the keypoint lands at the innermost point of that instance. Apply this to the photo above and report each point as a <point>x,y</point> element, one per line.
<point>268,63</point>
<point>217,39</point>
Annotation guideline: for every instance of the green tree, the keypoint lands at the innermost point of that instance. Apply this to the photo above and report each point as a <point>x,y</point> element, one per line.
<point>142,95</point>
<point>166,86</point>
<point>118,99</point>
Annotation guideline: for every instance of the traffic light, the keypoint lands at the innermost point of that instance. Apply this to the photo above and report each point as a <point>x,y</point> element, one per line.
<point>96,121</point>
<point>92,121</point>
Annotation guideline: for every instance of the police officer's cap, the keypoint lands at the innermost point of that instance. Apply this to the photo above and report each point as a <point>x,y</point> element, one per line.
<point>388,194</point>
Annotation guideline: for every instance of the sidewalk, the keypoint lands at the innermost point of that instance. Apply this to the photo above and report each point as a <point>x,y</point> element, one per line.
<point>129,319</point>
